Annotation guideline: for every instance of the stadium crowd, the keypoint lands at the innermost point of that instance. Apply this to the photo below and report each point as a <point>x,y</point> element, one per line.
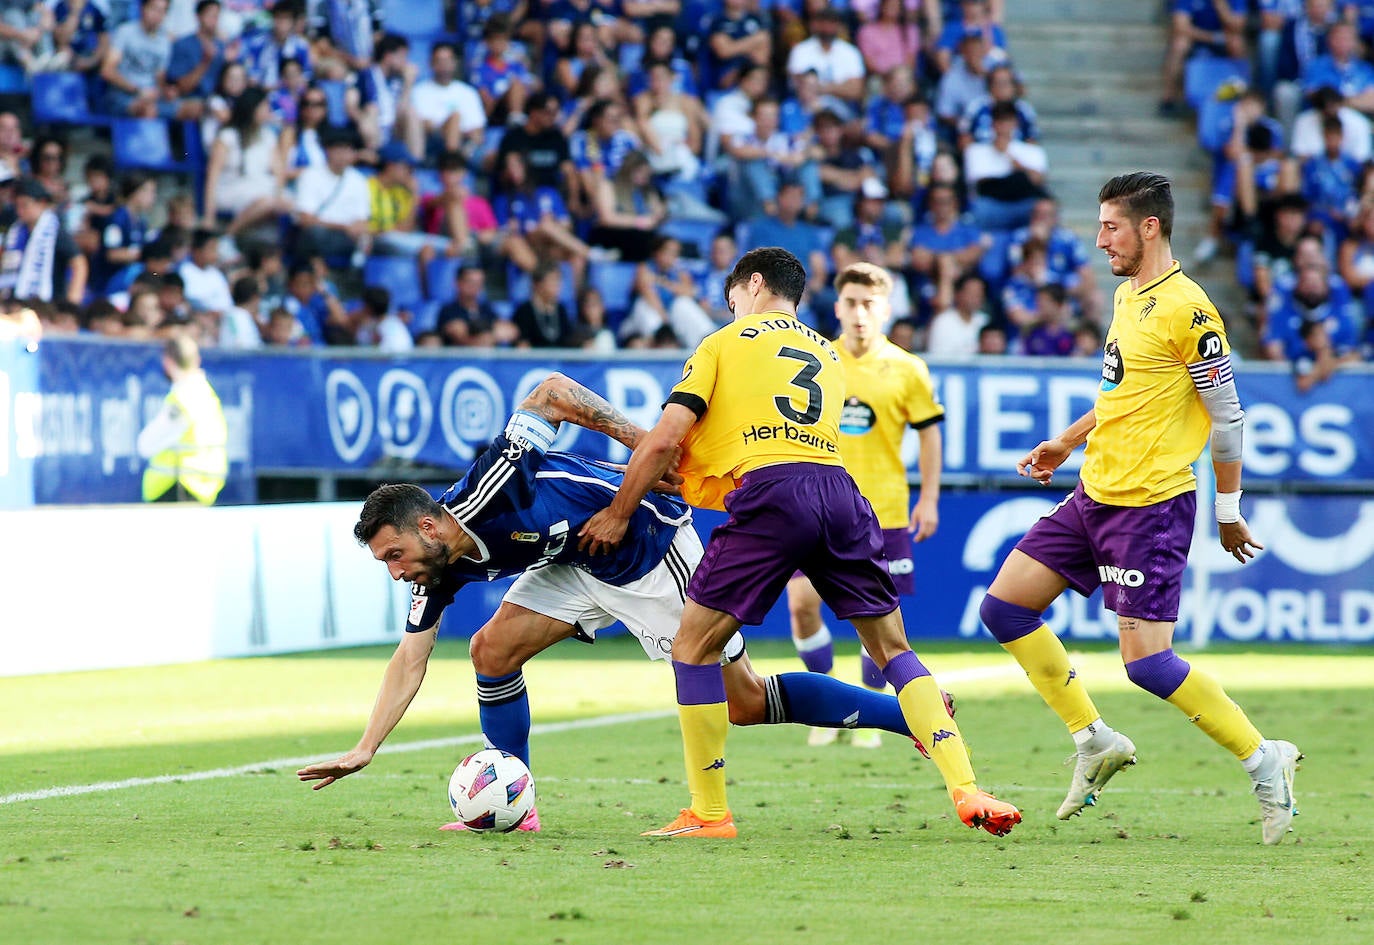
<point>583,173</point>
<point>1284,93</point>
<point>527,172</point>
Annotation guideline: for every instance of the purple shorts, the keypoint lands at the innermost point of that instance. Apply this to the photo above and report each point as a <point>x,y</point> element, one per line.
<point>795,517</point>
<point>1136,555</point>
<point>897,549</point>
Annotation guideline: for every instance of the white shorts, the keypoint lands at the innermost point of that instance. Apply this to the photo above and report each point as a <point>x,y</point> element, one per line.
<point>651,607</point>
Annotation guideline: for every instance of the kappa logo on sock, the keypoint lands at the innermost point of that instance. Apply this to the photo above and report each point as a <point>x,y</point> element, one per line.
<point>719,763</point>
<point>1196,717</point>
<point>1073,674</point>
<point>941,735</point>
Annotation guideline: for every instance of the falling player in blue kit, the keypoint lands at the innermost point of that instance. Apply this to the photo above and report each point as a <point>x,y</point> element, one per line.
<point>512,514</point>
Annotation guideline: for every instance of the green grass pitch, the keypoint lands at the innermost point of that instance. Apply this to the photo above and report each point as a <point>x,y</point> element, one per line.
<point>836,844</point>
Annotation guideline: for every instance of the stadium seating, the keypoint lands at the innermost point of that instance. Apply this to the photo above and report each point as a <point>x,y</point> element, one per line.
<point>59,98</point>
<point>146,144</point>
<point>12,80</point>
<point>616,283</point>
<point>440,275</point>
<point>335,91</point>
<point>1203,75</point>
<point>412,19</point>
<point>696,234</point>
<point>396,274</point>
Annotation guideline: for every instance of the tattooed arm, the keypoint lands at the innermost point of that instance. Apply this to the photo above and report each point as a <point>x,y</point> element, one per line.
<point>559,398</point>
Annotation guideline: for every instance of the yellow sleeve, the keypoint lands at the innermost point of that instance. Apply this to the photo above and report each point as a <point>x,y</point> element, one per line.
<point>922,407</point>
<point>698,378</point>
<point>1196,333</point>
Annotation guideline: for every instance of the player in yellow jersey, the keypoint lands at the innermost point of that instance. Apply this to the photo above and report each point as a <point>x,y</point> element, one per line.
<point>1166,388</point>
<point>886,389</point>
<point>756,416</point>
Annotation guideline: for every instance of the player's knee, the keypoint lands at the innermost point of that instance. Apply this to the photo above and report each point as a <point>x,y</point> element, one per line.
<point>489,657</point>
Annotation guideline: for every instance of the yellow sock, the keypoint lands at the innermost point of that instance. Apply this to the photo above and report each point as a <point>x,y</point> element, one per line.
<point>1046,662</point>
<point>703,741</point>
<point>1207,705</point>
<point>924,710</point>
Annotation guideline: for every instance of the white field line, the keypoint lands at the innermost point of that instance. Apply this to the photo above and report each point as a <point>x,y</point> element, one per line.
<point>72,790</point>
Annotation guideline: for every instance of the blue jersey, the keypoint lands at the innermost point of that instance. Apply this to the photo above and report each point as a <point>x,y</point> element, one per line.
<point>523,507</point>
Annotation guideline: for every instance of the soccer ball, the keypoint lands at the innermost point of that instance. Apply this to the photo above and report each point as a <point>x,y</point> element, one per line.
<point>491,790</point>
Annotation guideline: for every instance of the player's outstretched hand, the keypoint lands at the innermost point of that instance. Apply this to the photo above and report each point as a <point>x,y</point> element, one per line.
<point>1041,462</point>
<point>602,533</point>
<point>327,772</point>
<point>1237,540</point>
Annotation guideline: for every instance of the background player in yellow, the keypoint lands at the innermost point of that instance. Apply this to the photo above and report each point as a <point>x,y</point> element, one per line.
<point>1166,387</point>
<point>886,388</point>
<point>756,416</point>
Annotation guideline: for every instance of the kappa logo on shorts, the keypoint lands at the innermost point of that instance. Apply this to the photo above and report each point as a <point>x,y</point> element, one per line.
<point>1125,577</point>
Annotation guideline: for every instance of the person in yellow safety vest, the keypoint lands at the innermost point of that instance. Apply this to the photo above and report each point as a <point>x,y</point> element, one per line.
<point>185,444</point>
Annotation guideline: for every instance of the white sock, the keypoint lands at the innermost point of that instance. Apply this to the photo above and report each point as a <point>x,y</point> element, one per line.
<point>1254,760</point>
<point>1094,736</point>
<point>814,642</point>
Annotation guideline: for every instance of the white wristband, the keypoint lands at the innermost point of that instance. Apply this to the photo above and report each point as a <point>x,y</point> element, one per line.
<point>1228,507</point>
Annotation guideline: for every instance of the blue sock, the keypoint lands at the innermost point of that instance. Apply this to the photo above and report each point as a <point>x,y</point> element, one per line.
<point>503,707</point>
<point>825,702</point>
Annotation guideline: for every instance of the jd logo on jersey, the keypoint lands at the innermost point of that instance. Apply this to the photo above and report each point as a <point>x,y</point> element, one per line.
<point>1113,368</point>
<point>1209,345</point>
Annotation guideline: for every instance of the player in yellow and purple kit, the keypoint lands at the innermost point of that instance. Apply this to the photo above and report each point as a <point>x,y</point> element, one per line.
<point>886,389</point>
<point>1166,383</point>
<point>756,416</point>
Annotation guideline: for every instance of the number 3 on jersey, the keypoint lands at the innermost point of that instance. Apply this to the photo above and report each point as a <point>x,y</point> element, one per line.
<point>806,380</point>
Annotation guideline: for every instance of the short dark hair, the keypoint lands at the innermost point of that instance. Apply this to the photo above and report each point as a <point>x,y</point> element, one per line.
<point>203,5</point>
<point>1142,194</point>
<point>202,236</point>
<point>245,289</point>
<point>376,298</point>
<point>1005,110</point>
<point>390,43</point>
<point>100,164</point>
<point>782,273</point>
<point>131,184</point>
<point>399,504</point>
<point>172,280</point>
<point>157,249</point>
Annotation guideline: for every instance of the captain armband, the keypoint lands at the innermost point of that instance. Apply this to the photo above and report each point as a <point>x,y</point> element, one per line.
<point>531,429</point>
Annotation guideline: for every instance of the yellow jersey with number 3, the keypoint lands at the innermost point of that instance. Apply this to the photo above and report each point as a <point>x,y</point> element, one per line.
<point>1166,342</point>
<point>885,389</point>
<point>766,390</point>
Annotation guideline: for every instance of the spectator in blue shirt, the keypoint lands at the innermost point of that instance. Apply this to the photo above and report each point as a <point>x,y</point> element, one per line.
<point>787,229</point>
<point>1217,25</point>
<point>974,17</point>
<point>737,39</point>
<point>1317,296</point>
<point>264,51</point>
<point>122,241</point>
<point>82,26</point>
<point>1342,69</point>
<point>1051,335</point>
<point>976,124</point>
<point>501,77</point>
<point>1066,257</point>
<point>944,247</point>
<point>135,70</point>
<point>1331,180</point>
<point>601,147</point>
<point>315,307</point>
<point>198,58</point>
<point>844,167</point>
<point>535,220</point>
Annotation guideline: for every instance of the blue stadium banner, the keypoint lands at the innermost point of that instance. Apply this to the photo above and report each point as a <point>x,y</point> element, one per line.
<point>75,416</point>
